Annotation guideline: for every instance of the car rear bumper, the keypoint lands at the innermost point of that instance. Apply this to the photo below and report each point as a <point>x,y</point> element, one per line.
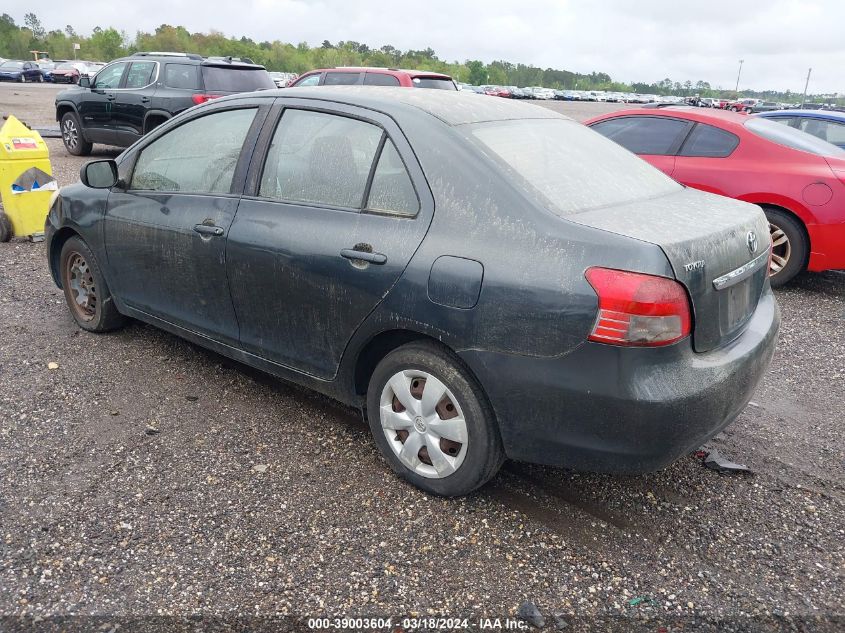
<point>614,409</point>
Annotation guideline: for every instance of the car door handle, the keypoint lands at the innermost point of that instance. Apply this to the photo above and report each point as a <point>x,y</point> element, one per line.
<point>111,97</point>
<point>364,256</point>
<point>145,99</point>
<point>208,229</point>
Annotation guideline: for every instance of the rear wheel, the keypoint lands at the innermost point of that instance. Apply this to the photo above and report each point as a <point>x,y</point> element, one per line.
<point>790,246</point>
<point>86,292</point>
<point>72,137</point>
<point>432,422</point>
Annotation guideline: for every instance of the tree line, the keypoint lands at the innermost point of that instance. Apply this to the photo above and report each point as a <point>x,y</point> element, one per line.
<point>105,44</point>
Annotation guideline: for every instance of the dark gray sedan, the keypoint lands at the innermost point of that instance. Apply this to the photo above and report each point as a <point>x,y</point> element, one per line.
<point>484,278</point>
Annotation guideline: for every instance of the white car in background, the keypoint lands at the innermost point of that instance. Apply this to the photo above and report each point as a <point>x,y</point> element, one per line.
<point>542,93</point>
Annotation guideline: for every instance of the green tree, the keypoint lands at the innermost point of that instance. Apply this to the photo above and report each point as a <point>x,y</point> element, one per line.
<point>477,73</point>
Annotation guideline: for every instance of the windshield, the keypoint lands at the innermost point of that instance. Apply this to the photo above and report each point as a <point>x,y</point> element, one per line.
<point>224,79</point>
<point>15,65</point>
<point>792,138</point>
<point>438,83</point>
<point>571,167</point>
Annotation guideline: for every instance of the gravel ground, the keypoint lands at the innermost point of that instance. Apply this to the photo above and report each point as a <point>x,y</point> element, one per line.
<point>259,498</point>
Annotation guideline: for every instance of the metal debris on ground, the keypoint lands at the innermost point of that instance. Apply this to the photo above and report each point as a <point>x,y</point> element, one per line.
<point>714,461</point>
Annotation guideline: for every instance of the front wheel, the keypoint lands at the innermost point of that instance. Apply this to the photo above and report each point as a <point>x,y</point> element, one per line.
<point>72,137</point>
<point>86,292</point>
<point>789,247</point>
<point>432,422</point>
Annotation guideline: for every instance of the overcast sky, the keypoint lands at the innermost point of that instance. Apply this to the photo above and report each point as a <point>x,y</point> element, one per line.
<point>632,40</point>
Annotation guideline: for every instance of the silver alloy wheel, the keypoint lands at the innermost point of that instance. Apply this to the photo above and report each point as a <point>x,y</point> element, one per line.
<point>70,134</point>
<point>781,249</point>
<point>423,423</point>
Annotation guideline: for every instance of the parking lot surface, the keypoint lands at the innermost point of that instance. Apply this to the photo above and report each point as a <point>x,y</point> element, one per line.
<point>255,497</point>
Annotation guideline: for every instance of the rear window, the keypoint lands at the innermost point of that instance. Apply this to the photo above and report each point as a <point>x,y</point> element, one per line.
<point>792,138</point>
<point>571,167</point>
<point>438,83</point>
<point>225,79</point>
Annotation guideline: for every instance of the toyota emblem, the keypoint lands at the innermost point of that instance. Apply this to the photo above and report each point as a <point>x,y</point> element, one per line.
<point>751,241</point>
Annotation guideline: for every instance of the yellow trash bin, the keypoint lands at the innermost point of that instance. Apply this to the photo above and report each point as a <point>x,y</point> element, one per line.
<point>26,181</point>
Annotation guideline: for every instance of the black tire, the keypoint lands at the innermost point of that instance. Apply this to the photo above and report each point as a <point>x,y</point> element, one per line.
<point>99,315</point>
<point>484,453</point>
<point>72,137</point>
<point>41,79</point>
<point>5,228</point>
<point>795,250</point>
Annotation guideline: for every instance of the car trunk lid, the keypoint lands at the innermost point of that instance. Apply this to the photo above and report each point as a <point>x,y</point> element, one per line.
<point>717,247</point>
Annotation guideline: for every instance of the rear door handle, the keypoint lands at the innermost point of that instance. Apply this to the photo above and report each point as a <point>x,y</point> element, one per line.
<point>208,229</point>
<point>364,256</point>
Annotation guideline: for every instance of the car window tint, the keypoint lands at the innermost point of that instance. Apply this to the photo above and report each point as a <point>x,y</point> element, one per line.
<point>786,120</point>
<point>571,167</point>
<point>829,131</point>
<point>320,158</point>
<point>311,80</point>
<point>710,142</point>
<point>792,138</point>
<point>140,74</point>
<point>392,190</point>
<point>438,83</point>
<point>235,79</point>
<point>182,76</point>
<point>197,157</point>
<point>341,79</point>
<point>109,77</point>
<point>644,135</point>
<point>380,79</point>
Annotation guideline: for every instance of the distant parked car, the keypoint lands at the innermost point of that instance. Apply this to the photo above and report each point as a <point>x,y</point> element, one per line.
<point>824,124</point>
<point>355,76</point>
<point>528,93</point>
<point>69,72</point>
<point>382,248</point>
<point>542,93</point>
<point>765,106</point>
<point>798,179</point>
<point>46,69</point>
<point>282,79</point>
<point>16,70</point>
<point>743,105</point>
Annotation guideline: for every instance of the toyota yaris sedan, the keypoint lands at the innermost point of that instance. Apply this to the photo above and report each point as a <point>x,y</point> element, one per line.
<point>483,278</point>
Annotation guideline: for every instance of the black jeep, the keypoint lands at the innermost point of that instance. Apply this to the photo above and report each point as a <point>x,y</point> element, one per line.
<point>132,95</point>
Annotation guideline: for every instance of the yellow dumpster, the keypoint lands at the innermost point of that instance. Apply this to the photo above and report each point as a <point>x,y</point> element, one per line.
<point>26,183</point>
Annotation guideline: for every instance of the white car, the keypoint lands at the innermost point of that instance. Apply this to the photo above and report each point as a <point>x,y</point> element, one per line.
<point>542,93</point>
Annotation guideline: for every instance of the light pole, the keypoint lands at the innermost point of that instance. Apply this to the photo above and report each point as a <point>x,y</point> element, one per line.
<point>806,85</point>
<point>737,77</point>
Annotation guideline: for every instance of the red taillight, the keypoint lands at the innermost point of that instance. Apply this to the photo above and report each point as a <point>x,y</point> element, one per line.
<point>198,99</point>
<point>638,309</point>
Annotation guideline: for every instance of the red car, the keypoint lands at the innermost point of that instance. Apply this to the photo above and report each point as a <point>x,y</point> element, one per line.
<point>351,76</point>
<point>798,179</point>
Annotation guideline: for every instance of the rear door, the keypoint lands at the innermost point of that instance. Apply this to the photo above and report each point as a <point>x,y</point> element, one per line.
<point>653,138</point>
<point>337,206</point>
<point>166,233</point>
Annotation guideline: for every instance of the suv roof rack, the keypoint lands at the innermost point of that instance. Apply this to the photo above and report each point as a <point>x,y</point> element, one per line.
<point>165,54</point>
<point>230,59</point>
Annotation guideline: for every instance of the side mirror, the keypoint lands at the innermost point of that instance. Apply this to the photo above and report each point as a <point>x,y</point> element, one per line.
<point>84,82</point>
<point>99,174</point>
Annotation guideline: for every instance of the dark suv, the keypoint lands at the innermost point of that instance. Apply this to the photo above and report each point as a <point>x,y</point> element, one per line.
<point>133,95</point>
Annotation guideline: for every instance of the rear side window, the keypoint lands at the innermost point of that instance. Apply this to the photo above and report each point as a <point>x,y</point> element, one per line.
<point>183,76</point>
<point>792,138</point>
<point>321,159</point>
<point>140,74</point>
<point>571,167</point>
<point>709,142</point>
<point>341,79</point>
<point>652,135</point>
<point>438,83</point>
<point>380,79</point>
<point>226,79</point>
<point>197,157</point>
<point>392,190</point>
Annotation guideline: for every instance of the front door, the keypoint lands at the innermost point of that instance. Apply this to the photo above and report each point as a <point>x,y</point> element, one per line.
<point>166,233</point>
<point>332,222</point>
<point>96,109</point>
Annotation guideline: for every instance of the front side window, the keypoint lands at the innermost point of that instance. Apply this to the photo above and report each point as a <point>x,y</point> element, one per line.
<point>109,77</point>
<point>140,74</point>
<point>197,157</point>
<point>310,80</point>
<point>572,168</point>
<point>650,135</point>
<point>709,142</point>
<point>320,158</point>
<point>341,79</point>
<point>392,191</point>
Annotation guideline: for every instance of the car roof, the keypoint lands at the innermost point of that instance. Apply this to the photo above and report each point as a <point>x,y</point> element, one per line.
<point>453,107</point>
<point>724,118</point>
<point>830,115</point>
<point>358,69</point>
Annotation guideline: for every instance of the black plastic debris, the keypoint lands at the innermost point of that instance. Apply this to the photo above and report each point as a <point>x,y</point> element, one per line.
<point>714,461</point>
<point>529,612</point>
